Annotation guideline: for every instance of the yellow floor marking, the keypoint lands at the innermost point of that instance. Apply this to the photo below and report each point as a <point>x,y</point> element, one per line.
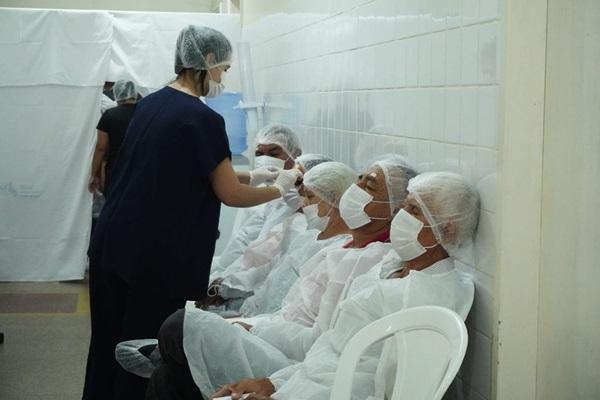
<point>83,303</point>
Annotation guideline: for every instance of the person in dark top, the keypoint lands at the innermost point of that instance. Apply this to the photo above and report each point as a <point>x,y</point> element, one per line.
<point>111,131</point>
<point>154,241</point>
<point>107,99</point>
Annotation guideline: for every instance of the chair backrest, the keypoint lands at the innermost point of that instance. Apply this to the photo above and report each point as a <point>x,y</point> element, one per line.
<point>430,343</point>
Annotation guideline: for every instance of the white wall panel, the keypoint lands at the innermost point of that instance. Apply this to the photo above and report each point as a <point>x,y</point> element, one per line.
<point>410,76</point>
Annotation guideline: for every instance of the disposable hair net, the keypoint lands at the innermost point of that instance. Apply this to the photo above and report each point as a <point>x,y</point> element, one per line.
<point>330,180</point>
<point>397,172</point>
<point>307,161</point>
<point>446,197</point>
<point>382,157</point>
<point>124,90</point>
<point>282,136</point>
<point>194,43</point>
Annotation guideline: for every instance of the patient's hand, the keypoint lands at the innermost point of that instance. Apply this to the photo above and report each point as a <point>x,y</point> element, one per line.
<point>209,301</point>
<point>244,325</point>
<point>402,273</point>
<point>213,298</point>
<point>260,388</point>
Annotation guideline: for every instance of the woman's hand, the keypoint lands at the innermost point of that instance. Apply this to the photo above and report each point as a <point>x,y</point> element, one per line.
<point>94,184</point>
<point>209,301</point>
<point>263,175</point>
<point>260,388</point>
<point>254,396</point>
<point>286,180</point>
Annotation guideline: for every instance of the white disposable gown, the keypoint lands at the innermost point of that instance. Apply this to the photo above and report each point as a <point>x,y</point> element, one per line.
<point>308,307</point>
<point>248,272</point>
<point>369,299</point>
<point>269,296</point>
<point>219,352</point>
<point>251,224</point>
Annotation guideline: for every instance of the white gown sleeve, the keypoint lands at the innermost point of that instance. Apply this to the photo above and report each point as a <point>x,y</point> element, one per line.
<point>292,339</point>
<point>268,298</point>
<point>249,272</point>
<point>250,269</point>
<point>322,292</point>
<point>342,274</point>
<point>313,378</point>
<point>283,375</point>
<point>234,249</point>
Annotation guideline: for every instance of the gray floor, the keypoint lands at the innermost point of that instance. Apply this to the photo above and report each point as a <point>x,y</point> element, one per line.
<point>43,355</point>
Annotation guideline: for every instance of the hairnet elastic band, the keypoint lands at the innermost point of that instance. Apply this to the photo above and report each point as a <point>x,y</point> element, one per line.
<point>428,217</point>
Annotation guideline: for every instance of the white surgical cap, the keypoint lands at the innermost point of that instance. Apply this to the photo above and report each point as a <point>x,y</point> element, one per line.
<point>397,172</point>
<point>195,43</point>
<point>282,136</point>
<point>124,90</point>
<point>446,197</point>
<point>307,161</point>
<point>330,180</point>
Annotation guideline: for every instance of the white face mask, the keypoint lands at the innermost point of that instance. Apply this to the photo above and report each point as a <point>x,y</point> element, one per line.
<point>268,161</point>
<point>352,207</point>
<point>214,88</point>
<point>293,199</point>
<point>313,221</point>
<point>404,235</point>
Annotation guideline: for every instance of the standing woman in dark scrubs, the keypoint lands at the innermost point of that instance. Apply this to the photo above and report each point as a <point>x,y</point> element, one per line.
<point>154,241</point>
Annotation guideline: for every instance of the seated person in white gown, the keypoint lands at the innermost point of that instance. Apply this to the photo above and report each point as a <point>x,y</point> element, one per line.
<point>276,146</point>
<point>326,229</point>
<point>265,275</point>
<point>440,215</point>
<point>281,222</point>
<point>137,356</point>
<point>226,293</point>
<point>202,351</point>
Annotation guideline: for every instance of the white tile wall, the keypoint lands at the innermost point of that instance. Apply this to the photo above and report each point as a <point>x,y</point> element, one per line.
<point>417,77</point>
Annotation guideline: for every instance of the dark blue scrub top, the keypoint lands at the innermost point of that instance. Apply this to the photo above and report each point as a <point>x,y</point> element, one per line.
<point>159,225</point>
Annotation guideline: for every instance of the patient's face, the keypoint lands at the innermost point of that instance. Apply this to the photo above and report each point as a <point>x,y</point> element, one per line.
<point>312,198</point>
<point>373,182</point>
<point>426,236</point>
<point>274,150</point>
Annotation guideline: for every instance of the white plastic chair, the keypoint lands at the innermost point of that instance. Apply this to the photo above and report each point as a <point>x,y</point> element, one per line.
<point>430,342</point>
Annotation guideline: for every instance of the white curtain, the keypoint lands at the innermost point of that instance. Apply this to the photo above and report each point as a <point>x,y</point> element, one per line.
<point>144,43</point>
<point>53,64</point>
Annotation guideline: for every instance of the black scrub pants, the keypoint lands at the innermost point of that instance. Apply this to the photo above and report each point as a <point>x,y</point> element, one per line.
<point>118,313</point>
<point>172,378</point>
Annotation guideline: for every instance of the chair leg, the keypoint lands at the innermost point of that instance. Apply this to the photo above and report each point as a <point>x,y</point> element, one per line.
<point>1,337</point>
